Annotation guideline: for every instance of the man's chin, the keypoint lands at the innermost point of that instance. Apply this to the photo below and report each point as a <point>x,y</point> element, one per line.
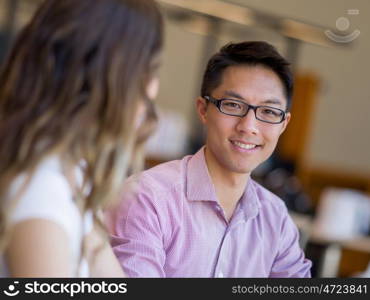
<point>242,170</point>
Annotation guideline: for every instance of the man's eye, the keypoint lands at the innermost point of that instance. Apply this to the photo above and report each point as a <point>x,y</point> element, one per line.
<point>271,112</point>
<point>232,105</point>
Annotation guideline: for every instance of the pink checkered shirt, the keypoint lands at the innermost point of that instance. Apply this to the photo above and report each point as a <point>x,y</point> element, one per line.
<point>170,224</point>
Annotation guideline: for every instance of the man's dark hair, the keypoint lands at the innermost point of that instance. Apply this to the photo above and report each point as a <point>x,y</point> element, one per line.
<point>250,54</point>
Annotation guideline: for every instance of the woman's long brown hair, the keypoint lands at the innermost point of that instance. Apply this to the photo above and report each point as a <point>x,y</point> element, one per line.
<point>71,86</point>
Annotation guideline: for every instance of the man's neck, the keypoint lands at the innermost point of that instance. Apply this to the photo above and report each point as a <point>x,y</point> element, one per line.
<point>229,185</point>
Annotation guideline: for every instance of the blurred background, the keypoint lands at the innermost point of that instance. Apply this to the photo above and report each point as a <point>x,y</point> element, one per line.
<point>321,167</point>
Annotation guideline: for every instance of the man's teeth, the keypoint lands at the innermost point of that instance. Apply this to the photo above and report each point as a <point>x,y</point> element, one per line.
<point>244,146</point>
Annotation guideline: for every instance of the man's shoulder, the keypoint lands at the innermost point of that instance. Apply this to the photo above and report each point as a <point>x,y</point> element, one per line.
<point>272,209</point>
<point>267,199</point>
<point>161,178</point>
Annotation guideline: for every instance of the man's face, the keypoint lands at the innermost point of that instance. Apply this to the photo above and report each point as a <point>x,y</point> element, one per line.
<point>240,144</point>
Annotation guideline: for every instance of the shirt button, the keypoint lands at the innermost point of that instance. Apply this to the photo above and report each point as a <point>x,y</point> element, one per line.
<point>220,275</point>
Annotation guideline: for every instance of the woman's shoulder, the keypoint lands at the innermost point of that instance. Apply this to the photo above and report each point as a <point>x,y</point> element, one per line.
<point>46,181</point>
<point>47,194</point>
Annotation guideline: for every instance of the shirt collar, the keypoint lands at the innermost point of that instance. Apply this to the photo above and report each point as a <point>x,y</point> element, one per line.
<point>200,186</point>
<point>249,202</point>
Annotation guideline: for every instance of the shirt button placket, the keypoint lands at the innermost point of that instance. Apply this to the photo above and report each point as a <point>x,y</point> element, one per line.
<point>223,260</point>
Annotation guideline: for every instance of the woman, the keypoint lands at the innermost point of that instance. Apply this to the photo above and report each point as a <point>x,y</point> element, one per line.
<point>75,107</point>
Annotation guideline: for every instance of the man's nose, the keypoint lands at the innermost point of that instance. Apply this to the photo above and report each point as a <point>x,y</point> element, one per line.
<point>248,123</point>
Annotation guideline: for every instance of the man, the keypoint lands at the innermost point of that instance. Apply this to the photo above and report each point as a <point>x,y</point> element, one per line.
<point>203,216</point>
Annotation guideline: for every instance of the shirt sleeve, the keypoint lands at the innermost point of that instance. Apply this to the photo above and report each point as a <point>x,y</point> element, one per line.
<point>47,196</point>
<point>136,235</point>
<point>290,260</point>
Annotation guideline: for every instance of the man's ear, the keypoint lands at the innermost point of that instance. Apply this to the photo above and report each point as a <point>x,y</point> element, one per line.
<point>285,123</point>
<point>202,109</point>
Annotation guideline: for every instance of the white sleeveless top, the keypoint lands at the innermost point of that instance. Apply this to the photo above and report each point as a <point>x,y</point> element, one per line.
<point>49,197</point>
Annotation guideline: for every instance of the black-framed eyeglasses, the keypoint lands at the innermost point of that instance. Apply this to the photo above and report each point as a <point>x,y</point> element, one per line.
<point>239,108</point>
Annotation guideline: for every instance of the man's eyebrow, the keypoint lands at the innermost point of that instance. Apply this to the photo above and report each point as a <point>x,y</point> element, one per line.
<point>273,101</point>
<point>233,94</point>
